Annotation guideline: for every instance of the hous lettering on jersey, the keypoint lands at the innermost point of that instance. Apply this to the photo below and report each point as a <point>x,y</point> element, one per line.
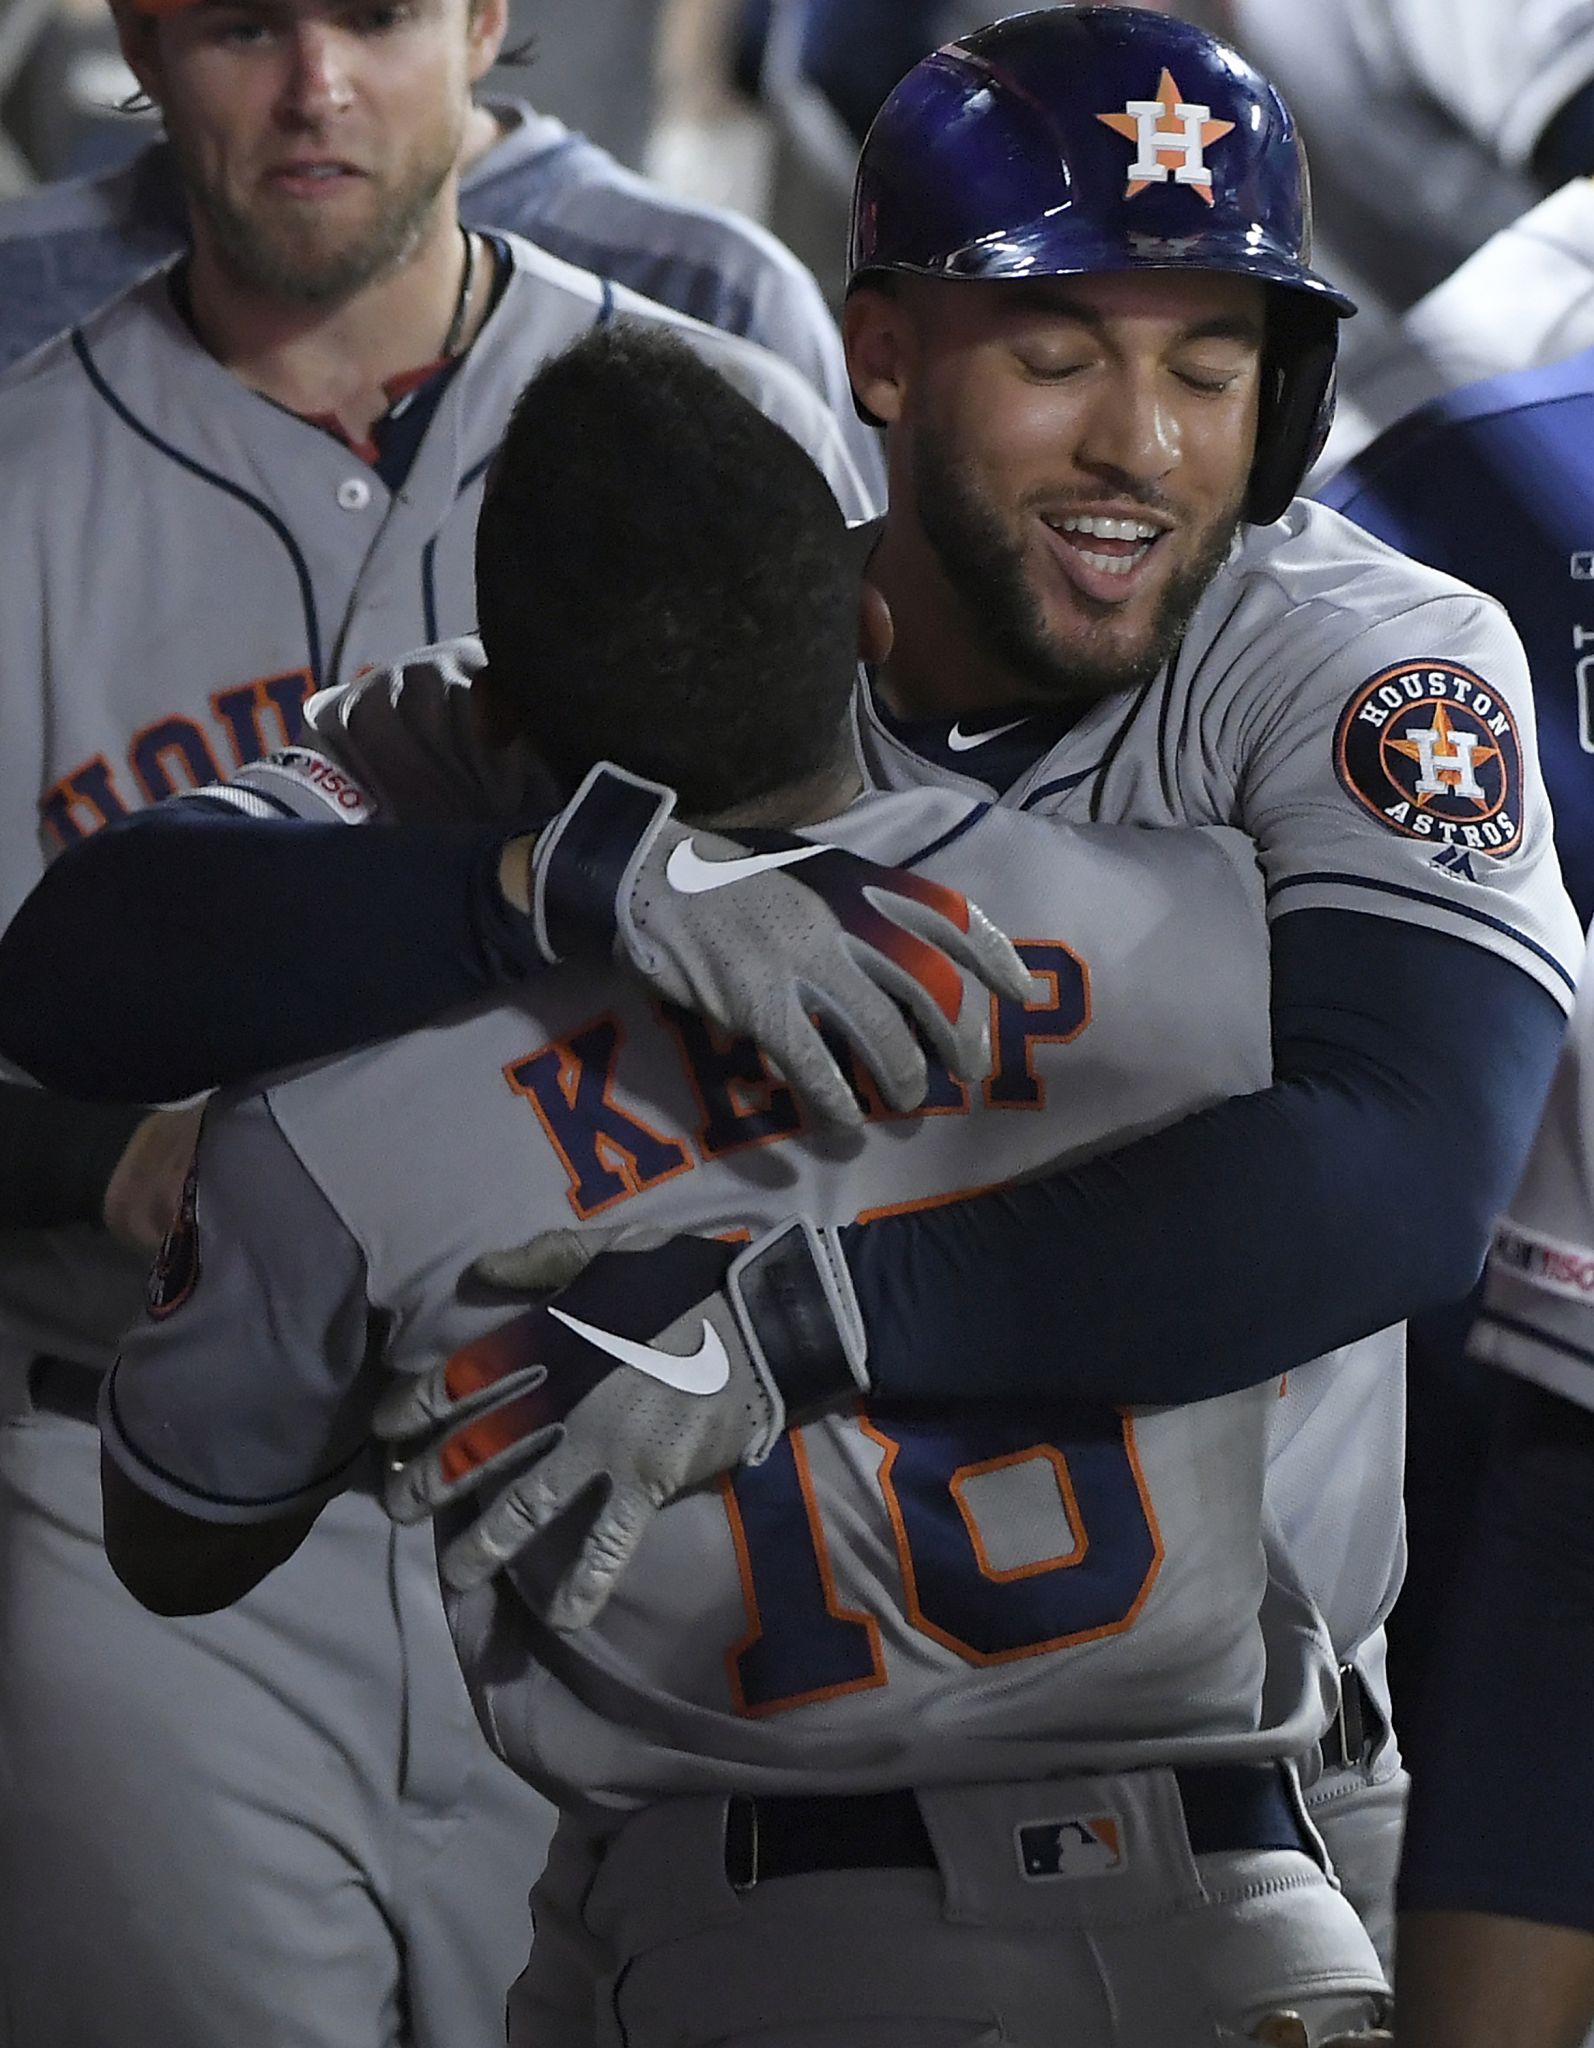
<point>207,558</point>
<point>181,752</point>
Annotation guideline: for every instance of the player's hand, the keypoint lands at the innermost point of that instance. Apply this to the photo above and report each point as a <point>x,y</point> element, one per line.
<point>761,930</point>
<point>664,1362</point>
<point>1371,2029</point>
<point>146,1183</point>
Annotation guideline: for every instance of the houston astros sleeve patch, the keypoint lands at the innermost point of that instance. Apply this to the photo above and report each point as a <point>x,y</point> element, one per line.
<point>1433,753</point>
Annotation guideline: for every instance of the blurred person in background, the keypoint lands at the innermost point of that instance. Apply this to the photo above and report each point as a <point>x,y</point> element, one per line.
<point>829,64</point>
<point>255,473</point>
<point>1497,1879</point>
<point>1432,125</point>
<point>1493,484</point>
<point>65,249</point>
<point>710,139</point>
<point>1523,301</point>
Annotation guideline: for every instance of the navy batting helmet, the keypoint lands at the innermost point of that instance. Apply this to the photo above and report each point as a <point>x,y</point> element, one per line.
<point>1079,139</point>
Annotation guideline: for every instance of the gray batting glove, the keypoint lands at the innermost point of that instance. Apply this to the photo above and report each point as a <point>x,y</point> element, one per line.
<point>762,931</point>
<point>663,1362</point>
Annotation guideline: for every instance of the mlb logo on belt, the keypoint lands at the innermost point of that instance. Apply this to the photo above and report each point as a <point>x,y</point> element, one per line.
<point>1168,128</point>
<point>1080,1845</point>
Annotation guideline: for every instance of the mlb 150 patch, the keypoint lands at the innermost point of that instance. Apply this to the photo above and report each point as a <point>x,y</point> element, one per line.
<point>1434,754</point>
<point>175,1273</point>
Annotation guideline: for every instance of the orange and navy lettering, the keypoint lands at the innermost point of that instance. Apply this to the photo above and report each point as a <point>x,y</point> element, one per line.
<point>944,1095</point>
<point>262,717</point>
<point>169,755</point>
<point>1017,1028</point>
<point>812,1647</point>
<point>82,802</point>
<point>610,1153</point>
<point>607,1152</point>
<point>802,1644</point>
<point>742,1101</point>
<point>176,752</point>
<point>1096,1587</point>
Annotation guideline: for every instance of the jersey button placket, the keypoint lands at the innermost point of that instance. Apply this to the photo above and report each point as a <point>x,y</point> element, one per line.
<point>354,494</point>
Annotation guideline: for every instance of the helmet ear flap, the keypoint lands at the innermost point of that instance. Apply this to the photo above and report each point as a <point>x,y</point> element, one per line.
<point>1297,406</point>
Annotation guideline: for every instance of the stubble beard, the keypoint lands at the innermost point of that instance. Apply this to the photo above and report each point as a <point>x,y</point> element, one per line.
<point>987,568</point>
<point>286,260</point>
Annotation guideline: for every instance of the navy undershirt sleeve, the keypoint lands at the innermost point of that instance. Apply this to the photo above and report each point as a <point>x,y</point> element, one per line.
<point>1502,1813</point>
<point>1255,1235</point>
<point>189,947</point>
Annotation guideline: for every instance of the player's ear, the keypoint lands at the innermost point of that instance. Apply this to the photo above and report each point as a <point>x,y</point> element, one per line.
<point>488,25</point>
<point>878,334</point>
<point>876,629</point>
<point>137,36</point>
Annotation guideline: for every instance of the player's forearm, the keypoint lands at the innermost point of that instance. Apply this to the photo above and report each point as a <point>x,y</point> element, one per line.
<point>57,1157</point>
<point>1502,1814</point>
<point>1243,1241</point>
<point>1469,1980</point>
<point>293,942</point>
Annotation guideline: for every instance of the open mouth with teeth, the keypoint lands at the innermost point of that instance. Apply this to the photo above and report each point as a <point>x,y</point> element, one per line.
<point>1112,547</point>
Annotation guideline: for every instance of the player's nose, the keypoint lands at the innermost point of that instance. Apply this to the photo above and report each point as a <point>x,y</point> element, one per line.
<point>1131,432</point>
<point>319,81</point>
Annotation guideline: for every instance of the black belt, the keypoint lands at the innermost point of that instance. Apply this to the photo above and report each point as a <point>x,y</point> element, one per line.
<point>1227,1807</point>
<point>1356,1733</point>
<point>60,1386</point>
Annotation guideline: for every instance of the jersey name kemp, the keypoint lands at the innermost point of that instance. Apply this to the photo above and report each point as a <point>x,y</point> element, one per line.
<point>609,1153</point>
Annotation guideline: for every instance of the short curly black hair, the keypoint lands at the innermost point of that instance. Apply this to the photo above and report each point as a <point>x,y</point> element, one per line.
<point>664,578</point>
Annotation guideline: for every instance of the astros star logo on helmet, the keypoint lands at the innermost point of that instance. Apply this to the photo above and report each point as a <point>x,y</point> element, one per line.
<point>1168,127</point>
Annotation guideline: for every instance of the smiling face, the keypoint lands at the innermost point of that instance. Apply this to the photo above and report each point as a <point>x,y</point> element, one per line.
<point>1073,454</point>
<point>316,138</point>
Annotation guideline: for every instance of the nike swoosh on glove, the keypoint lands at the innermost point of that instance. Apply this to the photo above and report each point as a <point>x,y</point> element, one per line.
<point>761,932</point>
<point>664,1362</point>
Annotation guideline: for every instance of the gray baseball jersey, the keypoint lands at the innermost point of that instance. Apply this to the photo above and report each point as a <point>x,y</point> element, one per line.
<point>69,247</point>
<point>1365,720</point>
<point>197,560</point>
<point>895,1597</point>
<point>1368,723</point>
<point>1538,1311</point>
<point>192,560</point>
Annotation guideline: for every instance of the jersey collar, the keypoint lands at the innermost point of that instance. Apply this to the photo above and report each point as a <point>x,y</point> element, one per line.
<point>996,748</point>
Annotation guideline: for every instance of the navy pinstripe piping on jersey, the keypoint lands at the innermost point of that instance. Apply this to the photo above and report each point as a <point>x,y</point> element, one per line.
<point>1497,924</point>
<point>1115,747</point>
<point>1061,786</point>
<point>429,556</point>
<point>686,285</point>
<point>605,304</point>
<point>312,628</point>
<point>946,839</point>
<point>1517,1326</point>
<point>429,592</point>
